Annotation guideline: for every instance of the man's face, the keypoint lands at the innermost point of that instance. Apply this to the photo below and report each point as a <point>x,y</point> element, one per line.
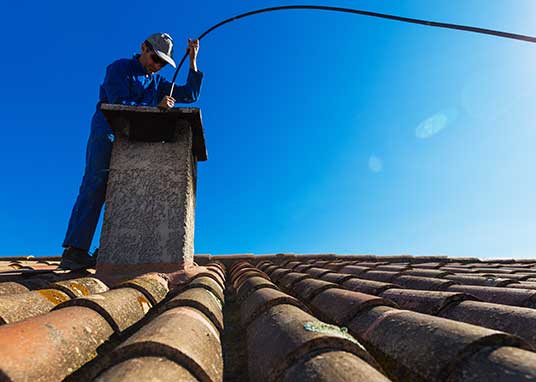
<point>149,60</point>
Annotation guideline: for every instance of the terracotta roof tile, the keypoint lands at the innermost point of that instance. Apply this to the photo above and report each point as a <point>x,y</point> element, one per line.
<point>252,284</point>
<point>16,307</point>
<point>262,300</point>
<point>120,307</point>
<point>505,364</point>
<point>287,281</point>
<point>332,366</point>
<point>340,306</point>
<point>183,335</point>
<point>147,369</point>
<point>419,347</point>
<point>509,319</point>
<point>41,348</point>
<point>202,300</point>
<point>284,334</point>
<point>506,296</point>
<point>429,302</point>
<point>440,336</point>
<point>479,280</point>
<point>367,286</point>
<point>424,283</point>
<point>307,289</point>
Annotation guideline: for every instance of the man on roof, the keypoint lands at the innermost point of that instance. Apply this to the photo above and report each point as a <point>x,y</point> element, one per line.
<point>129,82</point>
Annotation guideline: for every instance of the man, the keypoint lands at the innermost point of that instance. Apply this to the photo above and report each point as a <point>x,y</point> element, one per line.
<point>128,82</point>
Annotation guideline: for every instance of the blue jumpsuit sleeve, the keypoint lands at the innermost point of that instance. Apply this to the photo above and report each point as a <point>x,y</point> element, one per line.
<point>116,84</point>
<point>187,93</point>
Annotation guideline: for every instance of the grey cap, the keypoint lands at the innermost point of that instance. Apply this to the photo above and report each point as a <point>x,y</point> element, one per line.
<point>162,44</point>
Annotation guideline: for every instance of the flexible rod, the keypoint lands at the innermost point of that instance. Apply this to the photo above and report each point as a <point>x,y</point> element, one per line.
<point>466,28</point>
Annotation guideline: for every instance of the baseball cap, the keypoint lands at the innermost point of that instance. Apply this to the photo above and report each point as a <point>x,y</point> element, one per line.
<point>162,44</point>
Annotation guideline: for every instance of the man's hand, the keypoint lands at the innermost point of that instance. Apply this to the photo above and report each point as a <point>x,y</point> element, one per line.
<point>192,50</point>
<point>167,102</point>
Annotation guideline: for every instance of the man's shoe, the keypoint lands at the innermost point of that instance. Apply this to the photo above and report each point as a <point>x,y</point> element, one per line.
<point>76,259</point>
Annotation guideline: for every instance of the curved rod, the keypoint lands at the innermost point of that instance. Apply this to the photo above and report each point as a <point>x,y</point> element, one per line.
<point>363,13</point>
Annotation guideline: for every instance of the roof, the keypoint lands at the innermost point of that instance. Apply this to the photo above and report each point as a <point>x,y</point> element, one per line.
<point>274,318</point>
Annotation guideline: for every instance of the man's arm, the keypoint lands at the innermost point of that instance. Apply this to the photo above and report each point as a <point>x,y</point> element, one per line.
<point>189,92</point>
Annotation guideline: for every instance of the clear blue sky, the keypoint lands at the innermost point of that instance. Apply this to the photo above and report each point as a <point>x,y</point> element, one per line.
<point>326,133</point>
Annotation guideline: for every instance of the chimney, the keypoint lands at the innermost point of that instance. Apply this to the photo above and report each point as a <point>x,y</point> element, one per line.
<point>150,197</point>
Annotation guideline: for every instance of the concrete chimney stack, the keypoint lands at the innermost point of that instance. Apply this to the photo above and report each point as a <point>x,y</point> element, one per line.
<point>150,198</point>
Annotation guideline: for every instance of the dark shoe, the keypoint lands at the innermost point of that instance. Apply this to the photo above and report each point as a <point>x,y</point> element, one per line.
<point>76,259</point>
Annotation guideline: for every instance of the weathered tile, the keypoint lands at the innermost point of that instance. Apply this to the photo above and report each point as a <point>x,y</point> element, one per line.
<point>287,281</point>
<point>478,280</point>
<point>507,296</point>
<point>252,284</point>
<point>354,269</point>
<point>317,272</point>
<point>382,276</point>
<point>307,289</point>
<point>340,306</point>
<point>367,286</point>
<point>17,307</point>
<point>49,347</point>
<point>428,302</point>
<point>284,334</point>
<point>336,278</point>
<point>332,366</point>
<point>262,300</point>
<point>503,364</point>
<point>423,283</point>
<point>146,369</point>
<point>80,287</point>
<point>417,347</point>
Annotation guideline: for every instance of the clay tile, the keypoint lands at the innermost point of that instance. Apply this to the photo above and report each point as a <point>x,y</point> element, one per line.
<point>340,305</point>
<point>147,369</point>
<point>367,286</point>
<point>510,319</point>
<point>239,265</point>
<point>478,280</point>
<point>505,364</point>
<point>332,366</point>
<point>511,276</point>
<point>80,287</point>
<point>252,284</point>
<point>183,335</point>
<point>284,334</point>
<point>506,296</point>
<point>335,266</point>
<point>215,275</point>
<point>247,275</point>
<point>307,289</point>
<point>426,273</point>
<point>17,307</point>
<point>523,285</point>
<point>292,264</point>
<point>263,299</point>
<point>382,276</point>
<point>263,264</point>
<point>421,301</point>
<point>269,269</point>
<point>423,283</point>
<point>398,258</point>
<point>120,307</point>
<point>287,281</point>
<point>428,265</point>
<point>354,269</point>
<point>202,300</point>
<point>457,270</point>
<point>317,272</point>
<point>320,263</point>
<point>217,269</point>
<point>493,270</point>
<point>336,278</point>
<point>10,287</point>
<point>277,274</point>
<point>418,347</point>
<point>392,268</point>
<point>302,267</point>
<point>43,346</point>
<point>153,287</point>
<point>202,282</point>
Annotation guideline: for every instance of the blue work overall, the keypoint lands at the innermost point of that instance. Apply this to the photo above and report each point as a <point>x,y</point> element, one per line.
<point>126,82</point>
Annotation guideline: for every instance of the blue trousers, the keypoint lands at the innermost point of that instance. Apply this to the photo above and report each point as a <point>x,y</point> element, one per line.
<point>88,205</point>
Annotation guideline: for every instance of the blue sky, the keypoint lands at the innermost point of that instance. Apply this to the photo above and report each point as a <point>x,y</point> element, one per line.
<point>326,132</point>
